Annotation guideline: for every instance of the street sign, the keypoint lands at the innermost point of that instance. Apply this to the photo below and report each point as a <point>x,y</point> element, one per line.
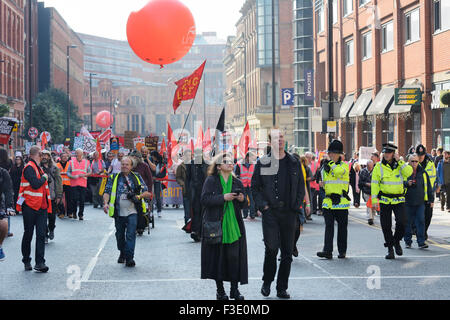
<point>408,96</point>
<point>33,133</point>
<point>309,85</point>
<point>288,96</point>
<point>331,126</point>
<point>48,135</point>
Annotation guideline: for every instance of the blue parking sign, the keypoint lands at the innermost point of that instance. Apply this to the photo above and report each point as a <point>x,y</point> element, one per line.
<point>288,96</point>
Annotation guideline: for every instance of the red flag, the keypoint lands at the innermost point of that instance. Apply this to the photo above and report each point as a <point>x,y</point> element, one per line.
<point>98,148</point>
<point>171,144</point>
<point>187,87</point>
<point>244,141</point>
<point>105,136</point>
<point>44,141</point>
<point>199,142</point>
<point>207,142</point>
<point>192,146</point>
<point>163,148</point>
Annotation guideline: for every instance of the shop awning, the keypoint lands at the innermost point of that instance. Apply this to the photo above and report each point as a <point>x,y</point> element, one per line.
<point>382,102</point>
<point>403,108</point>
<point>361,104</point>
<point>346,105</point>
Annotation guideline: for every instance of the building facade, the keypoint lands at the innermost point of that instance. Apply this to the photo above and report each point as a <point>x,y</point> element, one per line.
<point>12,61</point>
<point>248,69</point>
<point>143,93</point>
<point>380,46</point>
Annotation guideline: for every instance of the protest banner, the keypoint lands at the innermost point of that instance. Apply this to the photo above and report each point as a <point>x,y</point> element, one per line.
<point>173,194</point>
<point>129,139</point>
<point>139,143</point>
<point>151,143</point>
<point>6,127</point>
<point>365,153</point>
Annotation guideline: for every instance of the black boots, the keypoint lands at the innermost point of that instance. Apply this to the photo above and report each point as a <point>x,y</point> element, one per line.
<point>265,289</point>
<point>234,292</point>
<point>324,254</point>
<point>398,249</point>
<point>390,254</point>
<point>221,295</point>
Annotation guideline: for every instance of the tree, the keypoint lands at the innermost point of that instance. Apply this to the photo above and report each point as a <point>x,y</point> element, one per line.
<point>50,114</point>
<point>4,110</point>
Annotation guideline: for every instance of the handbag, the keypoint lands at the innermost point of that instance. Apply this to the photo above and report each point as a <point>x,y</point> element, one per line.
<point>212,231</point>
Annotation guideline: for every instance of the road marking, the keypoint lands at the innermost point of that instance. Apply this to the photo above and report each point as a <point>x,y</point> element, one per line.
<point>93,262</point>
<point>407,257</point>
<point>331,277</point>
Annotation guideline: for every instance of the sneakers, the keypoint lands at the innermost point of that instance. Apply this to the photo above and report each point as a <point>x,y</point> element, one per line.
<point>41,268</point>
<point>27,266</point>
<point>2,255</point>
<point>61,216</point>
<point>159,214</point>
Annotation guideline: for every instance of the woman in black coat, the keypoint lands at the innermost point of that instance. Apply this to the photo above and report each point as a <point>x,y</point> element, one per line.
<point>224,262</point>
<point>16,175</point>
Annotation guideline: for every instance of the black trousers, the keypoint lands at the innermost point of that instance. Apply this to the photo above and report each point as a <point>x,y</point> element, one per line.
<point>386,222</point>
<point>196,214</point>
<point>51,217</point>
<point>78,196</point>
<point>428,216</point>
<point>279,233</point>
<point>34,219</point>
<point>315,200</point>
<point>341,216</point>
<point>67,190</point>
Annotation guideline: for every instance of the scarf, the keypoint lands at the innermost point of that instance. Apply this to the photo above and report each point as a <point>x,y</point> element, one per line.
<point>230,227</point>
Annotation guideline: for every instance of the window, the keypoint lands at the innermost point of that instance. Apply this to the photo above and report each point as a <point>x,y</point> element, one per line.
<point>348,7</point>
<point>363,2</point>
<point>366,45</point>
<point>349,52</point>
<point>441,9</point>
<point>320,20</point>
<point>335,11</point>
<point>412,26</point>
<point>387,37</point>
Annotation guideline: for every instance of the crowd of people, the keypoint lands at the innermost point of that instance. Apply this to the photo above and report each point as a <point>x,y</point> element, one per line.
<point>284,189</point>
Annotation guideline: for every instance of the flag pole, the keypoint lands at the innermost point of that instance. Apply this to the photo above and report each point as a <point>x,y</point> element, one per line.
<point>185,121</point>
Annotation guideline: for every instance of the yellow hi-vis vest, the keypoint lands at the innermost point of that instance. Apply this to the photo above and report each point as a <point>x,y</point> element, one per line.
<point>390,182</point>
<point>112,199</point>
<point>431,170</point>
<point>336,181</point>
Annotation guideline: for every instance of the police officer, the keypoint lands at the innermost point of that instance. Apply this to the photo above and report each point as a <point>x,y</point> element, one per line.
<point>335,180</point>
<point>387,187</point>
<point>427,163</point>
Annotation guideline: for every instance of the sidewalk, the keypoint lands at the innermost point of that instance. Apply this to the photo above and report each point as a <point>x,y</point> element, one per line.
<point>438,232</point>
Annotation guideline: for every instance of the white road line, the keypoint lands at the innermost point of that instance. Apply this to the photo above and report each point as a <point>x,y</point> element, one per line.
<point>93,262</point>
<point>259,278</point>
<point>399,258</point>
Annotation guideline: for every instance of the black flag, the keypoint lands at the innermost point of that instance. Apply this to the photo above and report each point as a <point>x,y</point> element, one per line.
<point>221,124</point>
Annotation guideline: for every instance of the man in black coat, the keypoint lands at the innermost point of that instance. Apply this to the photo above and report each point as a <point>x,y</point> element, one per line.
<point>278,189</point>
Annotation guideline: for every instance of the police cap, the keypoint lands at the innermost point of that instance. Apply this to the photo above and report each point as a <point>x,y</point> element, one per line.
<point>336,147</point>
<point>389,148</point>
<point>421,150</point>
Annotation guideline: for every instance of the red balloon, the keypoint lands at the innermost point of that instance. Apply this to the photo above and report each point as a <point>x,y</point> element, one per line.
<point>162,32</point>
<point>104,119</point>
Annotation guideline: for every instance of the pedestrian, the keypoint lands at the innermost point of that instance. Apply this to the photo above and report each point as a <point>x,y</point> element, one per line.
<point>318,179</point>
<point>427,163</point>
<point>109,160</point>
<point>116,166</point>
<point>98,167</point>
<point>437,160</point>
<point>433,155</point>
<point>278,189</point>
<point>315,188</point>
<point>16,174</point>
<point>353,178</point>
<point>6,164</point>
<point>35,203</point>
<point>418,192</point>
<point>6,205</point>
<point>307,176</point>
<point>443,175</point>
<point>375,157</point>
<point>365,180</point>
<point>63,165</point>
<point>123,200</point>
<point>244,172</point>
<point>78,171</point>
<point>56,191</point>
<point>159,172</point>
<point>388,190</point>
<point>182,175</point>
<point>335,181</point>
<point>223,199</point>
<point>306,207</point>
<point>199,172</point>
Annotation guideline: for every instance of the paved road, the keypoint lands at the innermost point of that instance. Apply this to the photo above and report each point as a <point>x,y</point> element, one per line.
<point>84,254</point>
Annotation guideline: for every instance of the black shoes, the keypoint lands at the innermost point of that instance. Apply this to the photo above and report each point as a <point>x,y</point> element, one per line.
<point>390,254</point>
<point>235,294</point>
<point>28,266</point>
<point>195,237</point>
<point>341,256</point>
<point>130,263</point>
<point>221,295</point>
<point>265,290</point>
<point>423,246</point>
<point>295,252</point>
<point>398,249</point>
<point>283,294</point>
<point>41,267</point>
<point>370,222</point>
<point>324,254</point>
<point>81,218</point>
<point>121,259</point>
<point>51,235</point>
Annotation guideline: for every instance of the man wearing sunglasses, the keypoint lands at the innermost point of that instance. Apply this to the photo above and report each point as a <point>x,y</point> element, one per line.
<point>387,187</point>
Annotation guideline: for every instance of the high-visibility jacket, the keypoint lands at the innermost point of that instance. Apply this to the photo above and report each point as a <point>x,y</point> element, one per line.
<point>314,167</point>
<point>246,174</point>
<point>77,169</point>
<point>112,198</point>
<point>336,182</point>
<point>63,172</point>
<point>430,168</point>
<point>33,197</point>
<point>387,183</point>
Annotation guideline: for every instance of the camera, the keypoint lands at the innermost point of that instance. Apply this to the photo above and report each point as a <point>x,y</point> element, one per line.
<point>413,183</point>
<point>237,191</point>
<point>133,198</point>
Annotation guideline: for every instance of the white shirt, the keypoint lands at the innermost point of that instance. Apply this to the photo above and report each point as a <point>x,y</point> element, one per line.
<point>116,166</point>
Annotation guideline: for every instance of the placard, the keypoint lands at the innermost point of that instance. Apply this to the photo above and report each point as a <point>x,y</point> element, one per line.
<point>365,154</point>
<point>152,143</point>
<point>128,142</point>
<point>6,127</point>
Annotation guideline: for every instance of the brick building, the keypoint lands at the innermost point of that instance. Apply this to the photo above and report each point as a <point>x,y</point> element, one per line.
<point>145,92</point>
<point>12,60</point>
<point>380,46</point>
<point>254,84</point>
<point>58,45</point>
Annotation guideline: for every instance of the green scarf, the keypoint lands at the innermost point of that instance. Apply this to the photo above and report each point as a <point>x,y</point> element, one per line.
<point>230,227</point>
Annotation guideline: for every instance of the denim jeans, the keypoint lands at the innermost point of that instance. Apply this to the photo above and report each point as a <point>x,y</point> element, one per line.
<point>416,216</point>
<point>126,235</point>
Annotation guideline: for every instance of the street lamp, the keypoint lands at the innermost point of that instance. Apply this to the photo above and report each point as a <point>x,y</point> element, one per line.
<point>273,65</point>
<point>68,89</point>
<point>90,98</point>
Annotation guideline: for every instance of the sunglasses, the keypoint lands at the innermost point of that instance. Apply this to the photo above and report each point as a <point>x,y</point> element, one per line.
<point>413,161</point>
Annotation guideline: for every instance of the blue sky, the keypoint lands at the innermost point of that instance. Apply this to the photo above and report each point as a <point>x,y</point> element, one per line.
<point>108,18</point>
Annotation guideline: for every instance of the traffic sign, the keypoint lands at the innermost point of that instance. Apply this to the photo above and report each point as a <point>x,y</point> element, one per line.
<point>408,96</point>
<point>33,133</point>
<point>49,137</point>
